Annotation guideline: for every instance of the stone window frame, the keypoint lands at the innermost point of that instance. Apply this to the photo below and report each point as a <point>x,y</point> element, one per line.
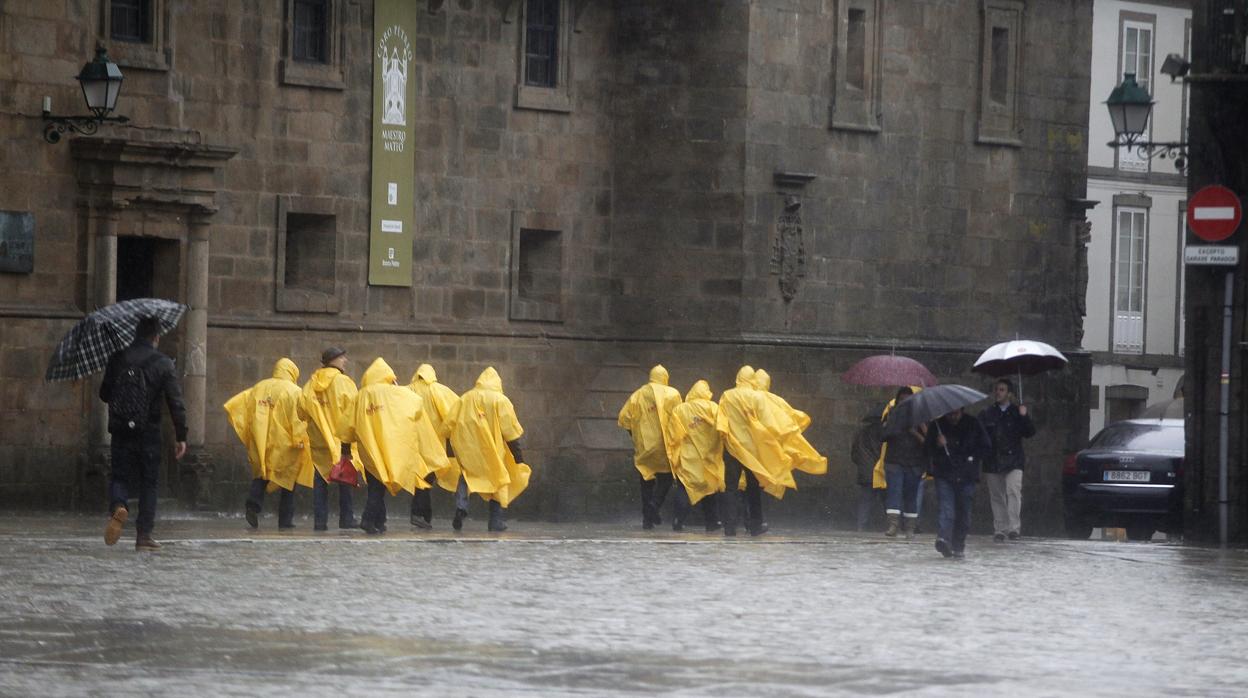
<point>527,309</point>
<point>1138,20</point>
<point>292,300</point>
<point>329,75</point>
<point>999,123</point>
<point>853,108</point>
<point>155,54</point>
<point>1134,203</point>
<point>559,97</point>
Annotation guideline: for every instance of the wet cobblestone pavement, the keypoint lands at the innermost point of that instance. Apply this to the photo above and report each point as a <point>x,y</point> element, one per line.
<point>552,610</point>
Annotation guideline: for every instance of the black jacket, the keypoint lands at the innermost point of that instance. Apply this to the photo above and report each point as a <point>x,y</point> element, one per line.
<point>967,444</point>
<point>161,376</point>
<point>866,449</point>
<point>1006,429</point>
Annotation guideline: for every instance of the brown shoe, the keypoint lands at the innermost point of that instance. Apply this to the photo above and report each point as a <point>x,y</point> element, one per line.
<point>112,529</point>
<point>146,543</point>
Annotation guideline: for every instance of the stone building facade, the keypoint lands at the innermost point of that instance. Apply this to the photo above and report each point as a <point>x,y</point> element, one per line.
<point>793,184</point>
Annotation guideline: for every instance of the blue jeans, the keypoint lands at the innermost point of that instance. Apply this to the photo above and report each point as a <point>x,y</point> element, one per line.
<point>903,489</point>
<point>955,511</point>
<point>135,466</point>
<point>320,503</point>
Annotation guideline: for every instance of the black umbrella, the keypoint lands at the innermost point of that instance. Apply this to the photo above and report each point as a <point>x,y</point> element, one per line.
<point>928,404</point>
<point>89,344</point>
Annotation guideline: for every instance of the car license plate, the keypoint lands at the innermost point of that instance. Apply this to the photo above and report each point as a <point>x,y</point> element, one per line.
<point>1126,476</point>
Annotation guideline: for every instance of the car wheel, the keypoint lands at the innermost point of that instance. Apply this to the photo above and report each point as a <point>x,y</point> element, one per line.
<point>1141,532</point>
<point>1078,530</point>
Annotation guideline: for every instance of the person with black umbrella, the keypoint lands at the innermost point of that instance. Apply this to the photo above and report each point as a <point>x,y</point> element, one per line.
<point>958,444</point>
<point>135,382</point>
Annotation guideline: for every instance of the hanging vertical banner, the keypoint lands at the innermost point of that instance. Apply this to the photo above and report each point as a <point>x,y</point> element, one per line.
<point>394,164</point>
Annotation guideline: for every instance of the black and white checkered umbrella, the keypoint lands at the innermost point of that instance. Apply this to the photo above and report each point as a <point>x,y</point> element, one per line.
<point>90,343</point>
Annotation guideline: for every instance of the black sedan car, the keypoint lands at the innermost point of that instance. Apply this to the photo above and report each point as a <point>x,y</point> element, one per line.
<point>1130,476</point>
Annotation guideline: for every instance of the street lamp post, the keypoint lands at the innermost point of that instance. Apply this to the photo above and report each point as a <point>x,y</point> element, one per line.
<point>101,84</point>
<point>1129,108</point>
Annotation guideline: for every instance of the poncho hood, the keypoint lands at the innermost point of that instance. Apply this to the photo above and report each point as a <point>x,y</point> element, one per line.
<point>490,380</point>
<point>285,368</point>
<point>323,377</point>
<point>425,374</point>
<point>658,374</point>
<point>762,380</point>
<point>378,372</point>
<point>745,377</point>
<point>700,391</point>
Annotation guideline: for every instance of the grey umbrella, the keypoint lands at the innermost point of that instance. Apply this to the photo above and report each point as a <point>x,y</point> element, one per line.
<point>89,344</point>
<point>928,404</point>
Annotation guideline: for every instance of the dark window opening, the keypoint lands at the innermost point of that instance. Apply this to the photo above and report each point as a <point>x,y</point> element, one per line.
<point>131,20</point>
<point>136,268</point>
<point>998,82</point>
<point>310,244</point>
<point>540,267</point>
<point>541,43</point>
<point>856,49</point>
<point>310,40</point>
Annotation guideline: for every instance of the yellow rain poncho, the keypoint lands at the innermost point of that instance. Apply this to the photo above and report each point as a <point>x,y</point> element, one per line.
<point>328,405</point>
<point>266,419</point>
<point>484,423</point>
<point>394,446</point>
<point>440,404</point>
<point>751,428</point>
<point>698,455</point>
<point>877,474</point>
<point>804,456</point>
<point>647,416</point>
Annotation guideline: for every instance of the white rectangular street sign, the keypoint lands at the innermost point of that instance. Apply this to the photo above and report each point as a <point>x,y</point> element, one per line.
<point>1219,255</point>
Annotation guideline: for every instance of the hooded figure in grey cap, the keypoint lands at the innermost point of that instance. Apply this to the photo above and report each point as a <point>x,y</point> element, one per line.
<point>328,406</point>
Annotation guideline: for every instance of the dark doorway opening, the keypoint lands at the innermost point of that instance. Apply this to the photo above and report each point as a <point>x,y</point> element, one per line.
<point>149,267</point>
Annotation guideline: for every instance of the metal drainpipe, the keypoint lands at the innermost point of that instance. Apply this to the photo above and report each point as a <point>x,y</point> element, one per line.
<point>1225,408</point>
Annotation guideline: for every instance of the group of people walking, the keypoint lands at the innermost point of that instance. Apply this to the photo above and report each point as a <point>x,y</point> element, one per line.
<point>952,452</point>
<point>718,455</point>
<point>748,443</point>
<point>396,437</point>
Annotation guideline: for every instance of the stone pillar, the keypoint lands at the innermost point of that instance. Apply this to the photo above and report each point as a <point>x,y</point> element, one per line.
<point>94,473</point>
<point>195,359</point>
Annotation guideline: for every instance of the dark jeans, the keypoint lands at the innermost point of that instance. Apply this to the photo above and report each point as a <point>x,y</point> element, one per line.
<point>681,507</point>
<point>903,489</point>
<point>320,503</point>
<point>653,492</point>
<point>955,511</point>
<point>422,500</point>
<point>731,501</point>
<point>136,466</point>
<point>375,506</point>
<point>285,502</point>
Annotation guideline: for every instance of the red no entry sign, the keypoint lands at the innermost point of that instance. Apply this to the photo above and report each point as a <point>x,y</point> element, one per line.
<point>1213,213</point>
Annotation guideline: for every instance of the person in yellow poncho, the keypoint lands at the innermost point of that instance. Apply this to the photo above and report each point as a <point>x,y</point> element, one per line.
<point>646,416</point>
<point>754,432</point>
<point>804,456</point>
<point>485,435</point>
<point>697,455</point>
<point>396,441</point>
<point>266,419</point>
<point>440,403</point>
<point>328,404</point>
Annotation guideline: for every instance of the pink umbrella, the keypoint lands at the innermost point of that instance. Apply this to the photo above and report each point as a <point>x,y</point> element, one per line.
<point>889,370</point>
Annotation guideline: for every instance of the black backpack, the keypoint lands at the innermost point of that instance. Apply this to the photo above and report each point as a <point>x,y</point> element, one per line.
<point>131,400</point>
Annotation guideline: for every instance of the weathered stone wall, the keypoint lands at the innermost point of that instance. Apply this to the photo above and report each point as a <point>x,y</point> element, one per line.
<point>661,180</point>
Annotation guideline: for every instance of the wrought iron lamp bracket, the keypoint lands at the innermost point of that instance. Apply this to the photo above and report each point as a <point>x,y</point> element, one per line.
<point>1172,150</point>
<point>54,125</point>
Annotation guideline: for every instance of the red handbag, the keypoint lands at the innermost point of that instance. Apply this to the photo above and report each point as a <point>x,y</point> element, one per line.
<point>344,473</point>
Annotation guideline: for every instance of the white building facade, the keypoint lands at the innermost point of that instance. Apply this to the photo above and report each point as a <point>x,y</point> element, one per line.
<point>1134,321</point>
